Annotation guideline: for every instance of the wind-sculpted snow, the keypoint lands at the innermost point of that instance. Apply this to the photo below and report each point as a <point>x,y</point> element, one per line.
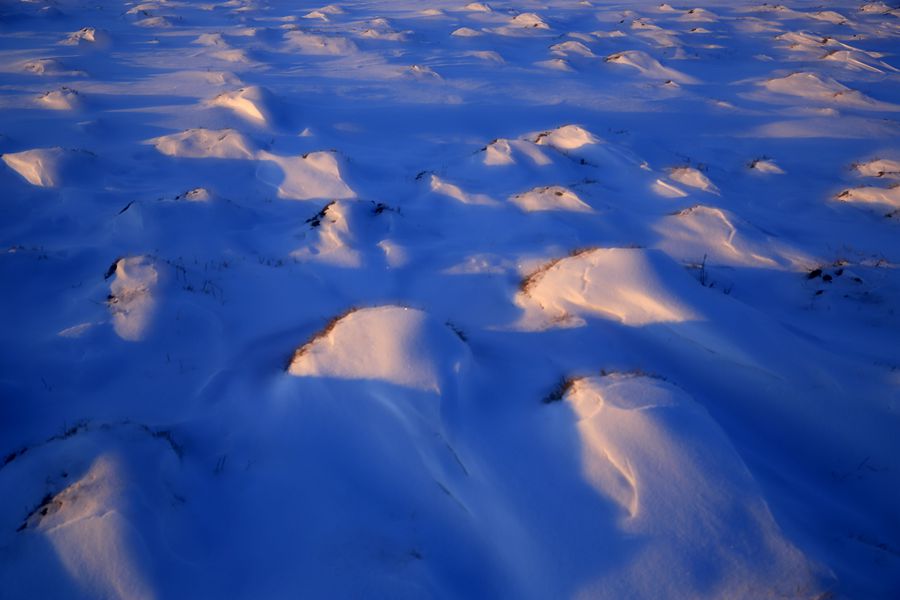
<point>205,143</point>
<point>676,483</point>
<point>449,299</point>
<point>131,297</point>
<point>389,343</point>
<point>699,232</point>
<point>252,103</point>
<point>624,284</point>
<point>550,198</point>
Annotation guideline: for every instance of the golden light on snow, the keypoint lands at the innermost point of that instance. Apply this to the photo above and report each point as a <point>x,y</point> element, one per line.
<point>449,299</point>
<point>94,541</point>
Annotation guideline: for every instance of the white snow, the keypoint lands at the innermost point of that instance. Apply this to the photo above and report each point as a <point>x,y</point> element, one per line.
<point>205,143</point>
<point>674,477</point>
<point>692,177</point>
<point>889,197</point>
<point>880,167</point>
<point>313,175</point>
<point>390,343</point>
<point>449,299</point>
<point>131,298</point>
<point>552,197</point>
<point>648,66</point>
<point>568,137</point>
<point>252,103</point>
<point>617,283</point>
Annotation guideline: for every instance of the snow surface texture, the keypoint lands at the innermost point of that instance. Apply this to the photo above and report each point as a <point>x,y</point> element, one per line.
<point>560,299</point>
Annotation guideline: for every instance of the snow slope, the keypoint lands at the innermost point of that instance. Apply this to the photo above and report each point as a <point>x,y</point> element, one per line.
<point>561,299</point>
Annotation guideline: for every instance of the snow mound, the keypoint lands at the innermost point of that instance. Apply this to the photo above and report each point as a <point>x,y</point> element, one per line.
<point>522,25</point>
<point>210,39</point>
<point>765,166</point>
<point>253,103</point>
<point>488,55</point>
<point>550,198</point>
<point>232,55</point>
<point>195,195</point>
<point>330,238</point>
<point>811,86</point>
<point>313,175</point>
<point>529,20</point>
<point>86,36</point>
<point>699,15</point>
<point>877,7</point>
<point>701,231</point>
<point>46,167</point>
<point>804,42</point>
<point>567,137</point>
<point>444,188</point>
<point>131,298</point>
<point>571,48</point>
<point>889,169</point>
<point>420,72</point>
<point>92,537</point>
<point>205,143</point>
<point>48,66</point>
<point>501,152</point>
<point>681,486</point>
<point>62,99</point>
<point>387,35</point>
<point>629,285</point>
<point>477,7</point>
<point>381,29</point>
<point>466,32</point>
<point>806,85</point>
<point>648,66</point>
<point>391,344</point>
<point>43,66</point>
<point>332,9</point>
<point>888,197</point>
<point>555,64</point>
<point>692,177</point>
<point>309,43</point>
<point>829,16</point>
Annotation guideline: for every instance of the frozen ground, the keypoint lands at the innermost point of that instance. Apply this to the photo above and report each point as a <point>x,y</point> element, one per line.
<point>425,299</point>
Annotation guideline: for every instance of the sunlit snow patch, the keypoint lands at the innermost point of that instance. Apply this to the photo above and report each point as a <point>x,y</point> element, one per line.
<point>48,167</point>
<point>64,98</point>
<point>392,344</point>
<point>131,298</point>
<point>680,485</point>
<point>308,43</point>
<point>622,284</point>
<point>692,177</point>
<point>313,175</point>
<point>205,143</point>
<point>550,198</point>
<point>93,539</point>
<point>648,66</point>
<point>567,137</point>
<point>252,103</point>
